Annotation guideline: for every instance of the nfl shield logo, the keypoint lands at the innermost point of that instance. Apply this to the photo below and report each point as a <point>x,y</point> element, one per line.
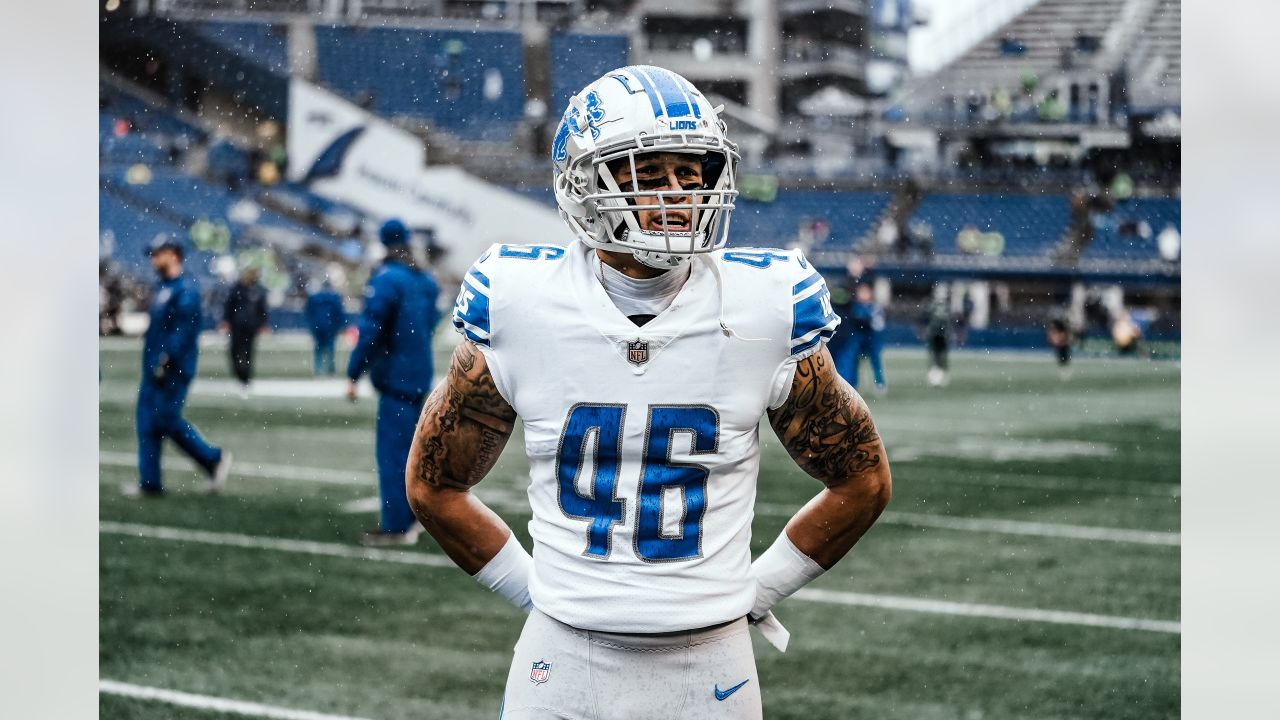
<point>638,352</point>
<point>540,673</point>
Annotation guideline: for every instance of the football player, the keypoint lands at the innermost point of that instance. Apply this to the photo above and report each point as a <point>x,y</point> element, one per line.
<point>641,359</point>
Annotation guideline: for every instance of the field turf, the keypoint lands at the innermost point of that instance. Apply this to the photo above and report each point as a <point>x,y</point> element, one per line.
<point>1015,494</point>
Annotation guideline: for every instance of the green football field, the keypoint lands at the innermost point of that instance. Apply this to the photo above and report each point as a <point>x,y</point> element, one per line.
<point>1028,566</point>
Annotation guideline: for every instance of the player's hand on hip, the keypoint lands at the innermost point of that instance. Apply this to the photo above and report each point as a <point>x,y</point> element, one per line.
<point>353,390</point>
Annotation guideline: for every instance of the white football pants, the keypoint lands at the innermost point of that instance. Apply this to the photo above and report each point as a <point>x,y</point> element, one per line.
<point>562,672</point>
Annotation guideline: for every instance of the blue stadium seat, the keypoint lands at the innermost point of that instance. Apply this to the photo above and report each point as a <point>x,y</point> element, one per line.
<point>184,199</point>
<point>132,228</point>
<point>131,148</point>
<point>1109,243</point>
<point>436,75</point>
<point>579,58</point>
<point>1031,225</point>
<point>849,216</point>
<point>151,131</point>
<point>264,44</point>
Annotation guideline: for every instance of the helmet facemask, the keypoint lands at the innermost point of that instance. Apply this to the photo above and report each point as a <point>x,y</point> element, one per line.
<point>609,132</point>
<point>698,213</point>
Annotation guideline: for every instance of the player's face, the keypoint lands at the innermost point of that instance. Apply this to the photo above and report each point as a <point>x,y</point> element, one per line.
<point>661,171</point>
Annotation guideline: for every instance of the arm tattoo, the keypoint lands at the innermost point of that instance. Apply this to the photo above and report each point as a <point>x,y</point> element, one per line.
<point>825,424</point>
<point>465,423</point>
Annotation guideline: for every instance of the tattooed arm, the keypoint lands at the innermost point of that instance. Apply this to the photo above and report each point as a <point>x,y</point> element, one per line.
<point>464,425</point>
<point>827,429</point>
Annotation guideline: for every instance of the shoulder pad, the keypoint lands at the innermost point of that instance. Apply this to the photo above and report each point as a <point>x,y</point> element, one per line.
<point>813,321</point>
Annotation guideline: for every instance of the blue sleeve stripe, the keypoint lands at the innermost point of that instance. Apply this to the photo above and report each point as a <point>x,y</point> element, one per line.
<point>471,310</point>
<point>479,277</point>
<point>805,284</point>
<point>473,337</point>
<point>813,320</point>
<point>811,313</point>
<point>820,337</point>
<point>828,330</point>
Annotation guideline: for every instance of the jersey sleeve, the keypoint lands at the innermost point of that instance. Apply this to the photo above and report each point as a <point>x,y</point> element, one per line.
<point>813,321</point>
<point>471,309</point>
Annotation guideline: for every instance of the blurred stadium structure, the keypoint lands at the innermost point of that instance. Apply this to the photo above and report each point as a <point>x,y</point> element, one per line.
<point>1037,171</point>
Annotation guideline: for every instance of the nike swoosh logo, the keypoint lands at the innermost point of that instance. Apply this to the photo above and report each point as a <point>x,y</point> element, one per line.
<point>722,694</point>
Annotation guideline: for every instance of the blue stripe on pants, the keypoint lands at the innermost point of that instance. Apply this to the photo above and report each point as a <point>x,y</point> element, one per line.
<point>159,415</point>
<point>397,418</point>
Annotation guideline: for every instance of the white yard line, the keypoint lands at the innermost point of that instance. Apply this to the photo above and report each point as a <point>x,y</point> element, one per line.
<point>1005,527</point>
<point>891,602</point>
<point>997,612</point>
<point>208,702</point>
<point>258,542</point>
<point>1038,529</point>
<point>517,502</point>
<point>1060,483</point>
<point>248,468</point>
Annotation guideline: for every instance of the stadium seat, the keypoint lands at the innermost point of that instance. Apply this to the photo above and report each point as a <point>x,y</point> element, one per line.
<point>1031,225</point>
<point>1113,238</point>
<point>580,58</point>
<point>848,217</point>
<point>264,44</point>
<point>470,83</point>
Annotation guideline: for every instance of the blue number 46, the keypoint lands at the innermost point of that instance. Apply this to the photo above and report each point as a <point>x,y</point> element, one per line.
<point>596,430</point>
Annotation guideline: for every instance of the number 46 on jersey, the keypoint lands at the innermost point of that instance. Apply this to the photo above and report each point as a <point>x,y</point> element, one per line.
<point>598,428</point>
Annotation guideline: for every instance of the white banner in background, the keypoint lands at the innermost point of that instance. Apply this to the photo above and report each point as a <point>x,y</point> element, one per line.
<point>347,154</point>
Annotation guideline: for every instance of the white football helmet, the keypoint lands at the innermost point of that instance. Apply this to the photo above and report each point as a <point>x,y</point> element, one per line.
<point>627,113</point>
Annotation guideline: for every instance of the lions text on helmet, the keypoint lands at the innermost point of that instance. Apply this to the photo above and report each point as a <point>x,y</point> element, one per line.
<point>643,136</point>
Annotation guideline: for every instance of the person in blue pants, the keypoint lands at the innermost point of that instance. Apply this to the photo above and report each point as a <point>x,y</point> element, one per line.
<point>396,327</point>
<point>841,343</point>
<point>325,317</point>
<point>866,337</point>
<point>169,357</point>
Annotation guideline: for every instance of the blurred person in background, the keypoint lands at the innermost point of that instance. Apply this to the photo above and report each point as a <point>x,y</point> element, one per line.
<point>169,356</point>
<point>866,330</point>
<point>841,343</point>
<point>110,299</point>
<point>1058,331</point>
<point>936,332</point>
<point>244,315</point>
<point>1126,334</point>
<point>325,317</point>
<point>394,347</point>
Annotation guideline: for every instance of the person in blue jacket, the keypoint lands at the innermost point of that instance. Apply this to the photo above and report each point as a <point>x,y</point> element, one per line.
<point>866,336</point>
<point>169,357</point>
<point>325,317</point>
<point>841,344</point>
<point>396,326</point>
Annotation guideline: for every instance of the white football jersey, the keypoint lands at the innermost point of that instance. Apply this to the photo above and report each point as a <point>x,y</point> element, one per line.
<point>643,442</point>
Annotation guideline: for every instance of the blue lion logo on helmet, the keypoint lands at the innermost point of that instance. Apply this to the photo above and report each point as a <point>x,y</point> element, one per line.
<point>574,123</point>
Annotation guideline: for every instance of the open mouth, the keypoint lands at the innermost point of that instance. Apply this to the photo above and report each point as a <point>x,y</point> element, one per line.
<point>676,222</point>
